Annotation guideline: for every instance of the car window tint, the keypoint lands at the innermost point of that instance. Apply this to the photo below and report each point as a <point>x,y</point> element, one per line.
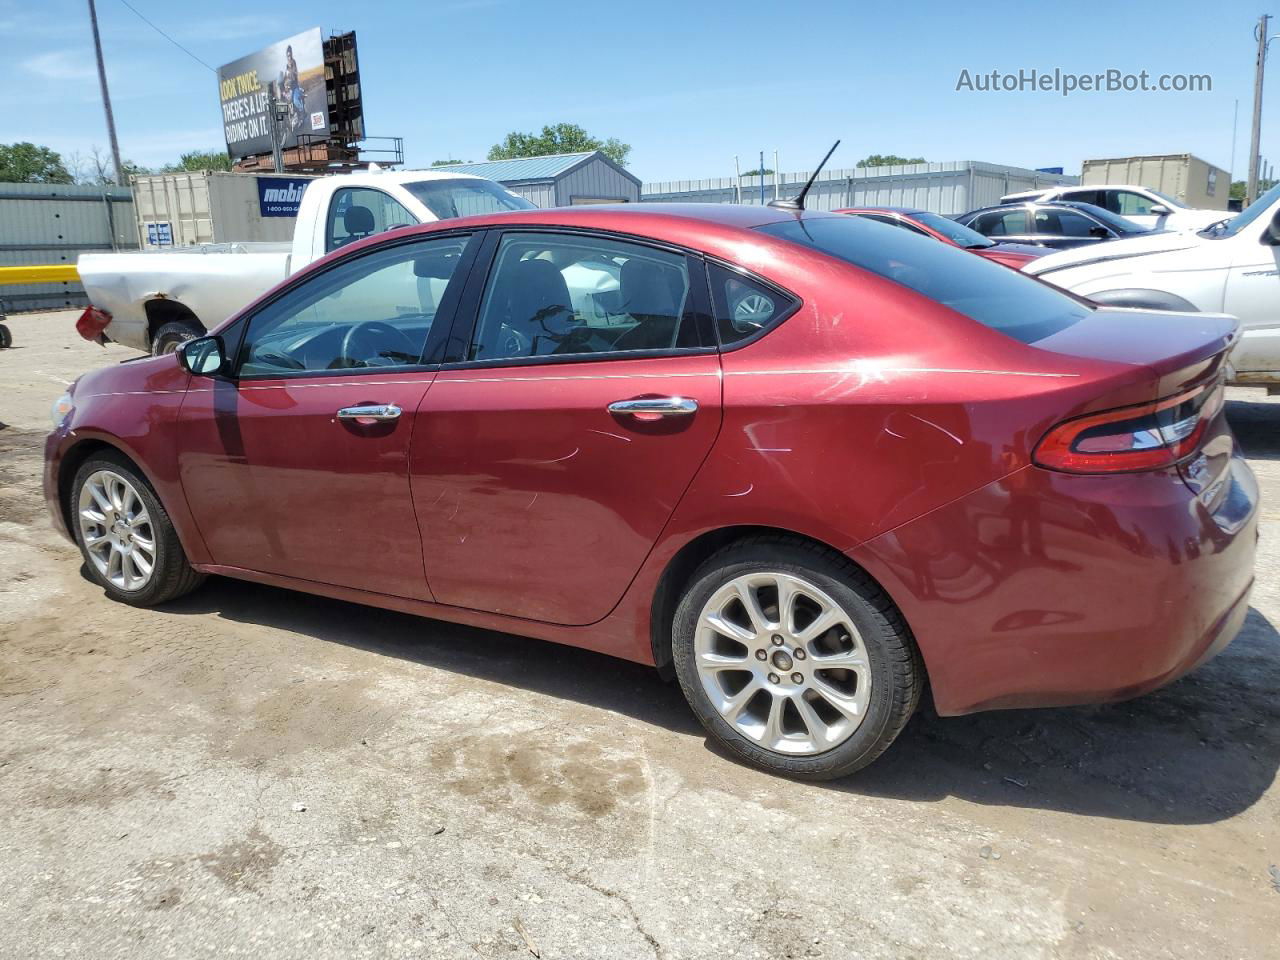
<point>558,295</point>
<point>372,312</point>
<point>1000,223</point>
<point>1096,197</point>
<point>744,307</point>
<point>993,295</point>
<point>1127,203</point>
<point>359,212</point>
<point>1064,223</point>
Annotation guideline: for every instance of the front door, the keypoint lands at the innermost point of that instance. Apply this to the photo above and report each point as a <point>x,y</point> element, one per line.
<point>546,462</point>
<point>1253,294</point>
<point>298,464</point>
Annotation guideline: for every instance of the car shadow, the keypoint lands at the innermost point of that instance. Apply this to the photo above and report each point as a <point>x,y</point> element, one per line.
<point>1255,426</point>
<point>1202,750</point>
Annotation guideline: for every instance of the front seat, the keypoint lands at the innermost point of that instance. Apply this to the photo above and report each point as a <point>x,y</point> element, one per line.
<point>531,297</point>
<point>358,222</point>
<point>651,294</point>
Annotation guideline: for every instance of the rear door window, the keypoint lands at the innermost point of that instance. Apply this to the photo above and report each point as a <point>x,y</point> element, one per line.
<point>358,212</point>
<point>1001,223</point>
<point>744,306</point>
<point>992,294</point>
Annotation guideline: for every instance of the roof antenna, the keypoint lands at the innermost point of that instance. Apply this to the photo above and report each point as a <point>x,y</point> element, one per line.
<point>798,202</point>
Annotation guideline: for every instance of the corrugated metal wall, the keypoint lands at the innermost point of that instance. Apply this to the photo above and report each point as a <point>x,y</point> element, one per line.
<point>53,224</point>
<point>946,188</point>
<point>595,181</point>
<point>539,194</point>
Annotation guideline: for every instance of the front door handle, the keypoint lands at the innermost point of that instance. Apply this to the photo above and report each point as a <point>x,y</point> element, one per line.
<point>656,406</point>
<point>370,411</point>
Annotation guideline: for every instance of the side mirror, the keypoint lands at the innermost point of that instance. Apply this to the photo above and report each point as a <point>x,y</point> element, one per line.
<point>1271,236</point>
<point>202,357</point>
<point>1160,210</point>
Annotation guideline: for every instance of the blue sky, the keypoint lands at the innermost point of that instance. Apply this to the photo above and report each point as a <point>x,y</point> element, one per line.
<point>688,85</point>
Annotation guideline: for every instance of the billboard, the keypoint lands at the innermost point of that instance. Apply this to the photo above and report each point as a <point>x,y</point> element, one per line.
<point>292,72</point>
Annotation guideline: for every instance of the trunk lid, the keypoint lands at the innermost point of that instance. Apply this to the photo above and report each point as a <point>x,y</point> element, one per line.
<point>1180,350</point>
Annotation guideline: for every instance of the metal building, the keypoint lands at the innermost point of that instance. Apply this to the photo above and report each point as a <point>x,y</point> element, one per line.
<point>946,188</point>
<point>561,180</point>
<point>44,223</point>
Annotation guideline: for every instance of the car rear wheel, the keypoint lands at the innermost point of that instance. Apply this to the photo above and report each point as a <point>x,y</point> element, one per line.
<point>129,544</point>
<point>172,335</point>
<point>794,659</point>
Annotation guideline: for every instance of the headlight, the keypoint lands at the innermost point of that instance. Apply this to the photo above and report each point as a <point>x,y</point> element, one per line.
<point>61,407</point>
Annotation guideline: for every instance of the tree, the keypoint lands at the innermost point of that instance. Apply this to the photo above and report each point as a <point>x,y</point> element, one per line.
<point>27,163</point>
<point>96,168</point>
<point>889,160</point>
<point>449,163</point>
<point>559,138</point>
<point>199,160</point>
<point>762,172</point>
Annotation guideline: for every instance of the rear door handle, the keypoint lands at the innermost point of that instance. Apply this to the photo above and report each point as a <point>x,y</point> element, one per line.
<point>656,406</point>
<point>370,411</point>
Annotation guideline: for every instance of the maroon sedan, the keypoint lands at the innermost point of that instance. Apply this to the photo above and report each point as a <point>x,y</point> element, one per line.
<point>1016,255</point>
<point>807,462</point>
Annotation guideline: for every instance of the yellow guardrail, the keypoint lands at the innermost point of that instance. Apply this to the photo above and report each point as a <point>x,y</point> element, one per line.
<point>52,273</point>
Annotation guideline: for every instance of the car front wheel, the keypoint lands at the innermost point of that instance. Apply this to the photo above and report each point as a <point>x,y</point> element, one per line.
<point>794,659</point>
<point>129,544</point>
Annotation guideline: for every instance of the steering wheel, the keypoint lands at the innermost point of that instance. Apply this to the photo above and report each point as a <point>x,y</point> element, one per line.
<point>369,328</point>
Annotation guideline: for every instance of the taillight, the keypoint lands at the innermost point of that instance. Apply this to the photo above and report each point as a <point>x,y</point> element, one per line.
<point>1143,437</point>
<point>92,322</point>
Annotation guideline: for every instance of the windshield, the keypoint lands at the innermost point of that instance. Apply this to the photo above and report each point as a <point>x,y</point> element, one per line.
<point>957,233</point>
<point>465,197</point>
<point>1229,228</point>
<point>994,295</point>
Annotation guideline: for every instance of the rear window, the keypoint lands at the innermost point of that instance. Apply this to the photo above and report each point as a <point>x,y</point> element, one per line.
<point>990,293</point>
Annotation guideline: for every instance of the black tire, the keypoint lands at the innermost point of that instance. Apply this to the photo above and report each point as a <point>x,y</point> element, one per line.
<point>172,575</point>
<point>896,670</point>
<point>172,335</point>
<point>6,338</point>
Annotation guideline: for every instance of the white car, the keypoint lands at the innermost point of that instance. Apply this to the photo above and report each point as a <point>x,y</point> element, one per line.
<point>1144,206</point>
<point>154,301</point>
<point>1230,267</point>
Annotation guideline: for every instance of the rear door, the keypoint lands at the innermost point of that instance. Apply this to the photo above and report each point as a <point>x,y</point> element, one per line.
<point>579,404</point>
<point>298,465</point>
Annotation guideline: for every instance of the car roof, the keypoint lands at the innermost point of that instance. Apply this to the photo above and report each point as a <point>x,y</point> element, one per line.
<point>679,223</point>
<point>905,211</point>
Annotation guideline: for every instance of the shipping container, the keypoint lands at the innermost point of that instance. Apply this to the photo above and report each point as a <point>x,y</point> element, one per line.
<point>183,209</point>
<point>1183,176</point>
<point>52,224</point>
<point>947,188</point>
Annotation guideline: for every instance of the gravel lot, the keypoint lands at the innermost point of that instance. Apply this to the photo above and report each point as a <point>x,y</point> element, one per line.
<point>259,772</point>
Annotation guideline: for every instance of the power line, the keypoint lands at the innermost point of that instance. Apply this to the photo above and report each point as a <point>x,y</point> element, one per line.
<point>167,37</point>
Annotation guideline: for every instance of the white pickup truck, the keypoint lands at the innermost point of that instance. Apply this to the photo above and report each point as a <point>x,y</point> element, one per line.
<point>1232,266</point>
<point>155,301</point>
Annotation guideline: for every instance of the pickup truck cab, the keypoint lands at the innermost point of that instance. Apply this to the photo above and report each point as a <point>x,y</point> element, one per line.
<point>1232,266</point>
<point>154,301</point>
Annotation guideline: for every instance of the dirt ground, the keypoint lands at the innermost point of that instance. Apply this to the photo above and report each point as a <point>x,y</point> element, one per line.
<point>472,794</point>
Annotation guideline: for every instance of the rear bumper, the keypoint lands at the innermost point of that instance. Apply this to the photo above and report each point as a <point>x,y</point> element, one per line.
<point>1048,590</point>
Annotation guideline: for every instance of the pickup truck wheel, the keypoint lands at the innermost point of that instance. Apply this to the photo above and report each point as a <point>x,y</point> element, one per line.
<point>793,659</point>
<point>171,335</point>
<point>129,545</point>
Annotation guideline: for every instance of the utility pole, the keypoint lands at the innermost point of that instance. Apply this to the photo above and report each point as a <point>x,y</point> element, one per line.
<point>1251,189</point>
<point>106,97</point>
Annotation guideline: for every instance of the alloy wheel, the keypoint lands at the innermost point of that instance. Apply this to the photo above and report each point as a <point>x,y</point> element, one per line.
<point>782,663</point>
<point>116,529</point>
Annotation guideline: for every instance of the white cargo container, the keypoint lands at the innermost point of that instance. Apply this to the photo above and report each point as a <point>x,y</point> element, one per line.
<point>184,209</point>
<point>1186,178</point>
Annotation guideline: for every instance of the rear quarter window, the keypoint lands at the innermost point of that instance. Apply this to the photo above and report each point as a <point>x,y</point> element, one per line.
<point>992,294</point>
